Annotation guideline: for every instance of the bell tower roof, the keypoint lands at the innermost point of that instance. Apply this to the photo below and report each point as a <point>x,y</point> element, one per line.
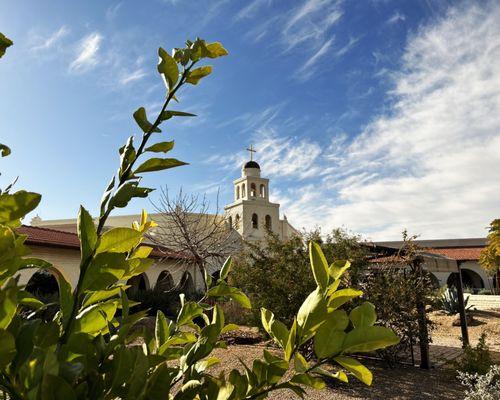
<point>251,164</point>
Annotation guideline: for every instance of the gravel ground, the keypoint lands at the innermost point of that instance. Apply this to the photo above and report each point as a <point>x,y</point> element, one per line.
<point>401,383</point>
<point>446,334</point>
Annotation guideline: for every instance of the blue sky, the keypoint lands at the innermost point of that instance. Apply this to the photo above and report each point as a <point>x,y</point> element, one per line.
<point>373,115</point>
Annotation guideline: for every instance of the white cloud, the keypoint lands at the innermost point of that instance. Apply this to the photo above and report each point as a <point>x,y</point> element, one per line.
<point>45,43</point>
<point>132,76</point>
<point>307,70</point>
<point>396,17</point>
<point>250,9</point>
<point>430,164</point>
<point>87,53</point>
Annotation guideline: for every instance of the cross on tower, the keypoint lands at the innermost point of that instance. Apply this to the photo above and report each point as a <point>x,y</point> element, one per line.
<point>251,150</point>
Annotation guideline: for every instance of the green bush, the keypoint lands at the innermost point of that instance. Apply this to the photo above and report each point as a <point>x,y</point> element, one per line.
<point>475,360</point>
<point>86,352</point>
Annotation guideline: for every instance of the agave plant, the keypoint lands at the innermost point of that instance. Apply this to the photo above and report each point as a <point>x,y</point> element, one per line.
<point>449,302</point>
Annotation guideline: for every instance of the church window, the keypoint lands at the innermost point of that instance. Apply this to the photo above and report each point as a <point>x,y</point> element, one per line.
<point>237,192</point>
<point>243,192</point>
<point>255,221</point>
<point>269,224</point>
<point>237,221</point>
<point>253,190</point>
<point>230,222</point>
<point>262,191</point>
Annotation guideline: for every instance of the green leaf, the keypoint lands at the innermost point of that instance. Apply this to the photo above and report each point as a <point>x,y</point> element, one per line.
<point>142,120</point>
<point>105,270</point>
<point>222,290</point>
<point>119,240</point>
<point>65,293</point>
<point>17,205</point>
<point>368,339</point>
<point>8,303</point>
<point>226,268</point>
<point>363,315</point>
<point>101,295</point>
<point>276,329</point>
<point>158,164</point>
<point>318,264</point>
<point>356,368</point>
<point>337,268</point>
<point>327,341</point>
<point>196,74</point>
<point>188,312</point>
<point>215,50</point>
<point>4,150</point>
<point>162,147</point>
<point>291,341</point>
<point>95,318</point>
<point>7,348</point>
<point>342,296</point>
<point>308,380</point>
<point>340,375</point>
<point>168,69</point>
<point>27,299</point>
<point>162,331</point>
<point>171,113</point>
<point>127,192</point>
<point>311,314</point>
<point>87,233</point>
<point>4,43</point>
<point>56,388</point>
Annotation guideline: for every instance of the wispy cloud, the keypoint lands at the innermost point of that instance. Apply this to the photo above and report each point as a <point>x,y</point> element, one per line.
<point>429,164</point>
<point>112,11</point>
<point>307,70</point>
<point>132,76</point>
<point>396,17</point>
<point>87,53</point>
<point>45,43</point>
<point>250,9</point>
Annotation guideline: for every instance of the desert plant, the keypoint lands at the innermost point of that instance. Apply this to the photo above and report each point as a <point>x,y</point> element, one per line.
<point>86,352</point>
<point>475,360</point>
<point>482,386</point>
<point>449,302</point>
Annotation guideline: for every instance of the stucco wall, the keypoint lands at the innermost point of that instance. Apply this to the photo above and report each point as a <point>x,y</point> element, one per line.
<point>68,261</point>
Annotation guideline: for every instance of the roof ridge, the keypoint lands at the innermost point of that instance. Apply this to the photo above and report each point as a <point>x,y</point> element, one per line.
<point>43,228</point>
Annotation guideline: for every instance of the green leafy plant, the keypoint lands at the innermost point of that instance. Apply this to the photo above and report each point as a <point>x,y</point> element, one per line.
<point>89,350</point>
<point>475,360</point>
<point>449,302</point>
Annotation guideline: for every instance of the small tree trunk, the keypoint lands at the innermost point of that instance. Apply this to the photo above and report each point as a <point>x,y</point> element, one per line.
<point>423,332</point>
<point>461,306</point>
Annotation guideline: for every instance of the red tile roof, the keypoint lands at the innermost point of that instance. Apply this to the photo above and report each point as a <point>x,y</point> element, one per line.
<point>53,238</point>
<point>458,253</point>
<point>454,253</point>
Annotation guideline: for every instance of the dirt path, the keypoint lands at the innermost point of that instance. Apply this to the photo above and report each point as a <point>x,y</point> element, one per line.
<point>403,383</point>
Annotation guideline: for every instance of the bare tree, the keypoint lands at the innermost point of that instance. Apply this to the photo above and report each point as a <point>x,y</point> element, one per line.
<point>186,225</point>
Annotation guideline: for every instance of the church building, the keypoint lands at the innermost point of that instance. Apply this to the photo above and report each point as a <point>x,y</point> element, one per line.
<point>251,213</point>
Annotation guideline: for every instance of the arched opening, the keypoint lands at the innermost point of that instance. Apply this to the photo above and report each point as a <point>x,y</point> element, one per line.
<point>243,191</point>
<point>253,190</point>
<point>255,221</point>
<point>138,284</point>
<point>237,222</point>
<point>263,191</point>
<point>237,192</point>
<point>43,285</point>
<point>269,223</point>
<point>230,222</point>
<point>471,281</point>
<point>187,285</point>
<point>165,282</point>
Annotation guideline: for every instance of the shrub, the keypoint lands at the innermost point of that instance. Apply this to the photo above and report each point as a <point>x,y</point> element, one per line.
<point>475,360</point>
<point>449,302</point>
<point>482,386</point>
<point>275,276</point>
<point>393,290</point>
<point>86,352</point>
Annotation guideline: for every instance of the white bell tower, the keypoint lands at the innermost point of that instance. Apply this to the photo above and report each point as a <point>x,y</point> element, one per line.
<point>251,213</point>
